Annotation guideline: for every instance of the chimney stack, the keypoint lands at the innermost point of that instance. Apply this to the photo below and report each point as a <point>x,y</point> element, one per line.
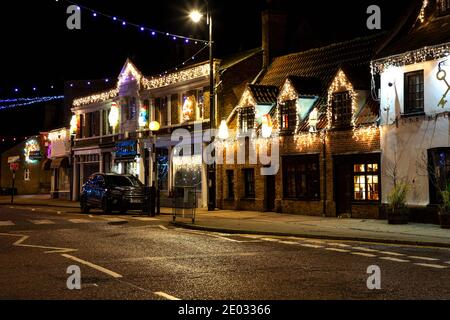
<point>274,31</point>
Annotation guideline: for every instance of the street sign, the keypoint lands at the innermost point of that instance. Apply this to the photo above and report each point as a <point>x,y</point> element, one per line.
<point>13,159</point>
<point>14,166</point>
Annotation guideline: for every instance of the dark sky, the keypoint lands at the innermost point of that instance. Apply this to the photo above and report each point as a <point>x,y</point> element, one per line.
<point>38,50</point>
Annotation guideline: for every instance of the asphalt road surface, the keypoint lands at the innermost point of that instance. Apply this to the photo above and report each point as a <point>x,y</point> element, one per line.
<point>134,257</point>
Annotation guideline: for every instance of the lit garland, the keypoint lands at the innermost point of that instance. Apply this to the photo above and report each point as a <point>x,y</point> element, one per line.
<point>96,98</point>
<point>422,11</point>
<point>304,140</point>
<point>21,102</point>
<point>341,83</point>
<point>177,77</point>
<point>412,57</point>
<point>367,133</point>
<point>147,83</point>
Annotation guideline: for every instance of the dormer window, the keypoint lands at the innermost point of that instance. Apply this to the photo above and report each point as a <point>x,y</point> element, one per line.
<point>288,114</point>
<point>247,116</point>
<point>444,7</point>
<point>341,109</point>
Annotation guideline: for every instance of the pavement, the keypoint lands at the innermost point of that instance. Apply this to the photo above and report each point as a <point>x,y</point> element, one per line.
<point>249,222</point>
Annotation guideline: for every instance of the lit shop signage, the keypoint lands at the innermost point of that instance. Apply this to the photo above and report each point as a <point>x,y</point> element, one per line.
<point>32,151</point>
<point>126,149</point>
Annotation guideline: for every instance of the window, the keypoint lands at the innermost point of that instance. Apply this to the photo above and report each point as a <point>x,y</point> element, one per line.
<point>132,109</point>
<point>341,109</point>
<point>439,172</point>
<point>444,7</point>
<point>230,184</point>
<point>26,175</point>
<point>247,119</point>
<point>249,183</point>
<point>414,92</point>
<point>301,177</point>
<point>288,113</point>
<point>366,179</point>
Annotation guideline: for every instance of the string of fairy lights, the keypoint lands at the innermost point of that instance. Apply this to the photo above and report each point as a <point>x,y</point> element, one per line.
<point>11,103</point>
<point>139,27</point>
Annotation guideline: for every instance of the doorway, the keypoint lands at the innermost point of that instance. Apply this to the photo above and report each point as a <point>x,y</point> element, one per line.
<point>343,186</point>
<point>270,194</point>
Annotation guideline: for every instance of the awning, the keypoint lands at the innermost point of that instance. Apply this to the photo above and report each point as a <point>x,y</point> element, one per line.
<point>46,164</point>
<point>60,163</point>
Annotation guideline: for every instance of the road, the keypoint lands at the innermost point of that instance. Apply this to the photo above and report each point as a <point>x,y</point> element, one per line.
<point>133,257</point>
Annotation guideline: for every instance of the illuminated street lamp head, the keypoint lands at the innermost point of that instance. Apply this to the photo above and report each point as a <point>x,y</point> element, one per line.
<point>154,126</point>
<point>195,16</point>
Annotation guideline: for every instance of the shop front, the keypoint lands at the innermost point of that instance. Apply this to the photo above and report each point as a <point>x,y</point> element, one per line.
<point>59,163</point>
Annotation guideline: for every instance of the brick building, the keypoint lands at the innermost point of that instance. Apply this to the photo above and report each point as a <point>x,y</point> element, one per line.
<point>331,167</point>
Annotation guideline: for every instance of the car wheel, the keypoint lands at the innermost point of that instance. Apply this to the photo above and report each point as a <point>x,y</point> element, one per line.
<point>84,207</point>
<point>106,206</point>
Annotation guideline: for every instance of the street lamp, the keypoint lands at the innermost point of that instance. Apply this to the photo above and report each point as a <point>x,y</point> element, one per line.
<point>154,127</point>
<point>196,17</point>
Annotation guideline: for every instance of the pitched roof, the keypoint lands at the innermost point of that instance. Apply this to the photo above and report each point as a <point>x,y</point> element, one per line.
<point>306,85</point>
<point>310,68</point>
<point>415,35</point>
<point>323,63</point>
<point>264,94</point>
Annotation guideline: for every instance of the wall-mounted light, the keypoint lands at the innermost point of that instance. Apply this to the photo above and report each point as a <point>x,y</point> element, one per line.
<point>223,131</point>
<point>267,126</point>
<point>114,115</point>
<point>313,120</point>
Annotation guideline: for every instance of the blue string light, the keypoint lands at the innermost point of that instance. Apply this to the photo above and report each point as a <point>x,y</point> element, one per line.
<point>21,102</point>
<point>96,13</point>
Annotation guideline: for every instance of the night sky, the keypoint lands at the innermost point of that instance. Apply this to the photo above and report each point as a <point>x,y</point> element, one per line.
<point>38,50</point>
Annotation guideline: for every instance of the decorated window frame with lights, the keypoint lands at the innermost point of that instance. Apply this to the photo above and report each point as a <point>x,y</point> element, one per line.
<point>342,88</point>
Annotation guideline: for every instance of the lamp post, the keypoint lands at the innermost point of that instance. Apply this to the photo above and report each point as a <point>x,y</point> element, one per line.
<point>155,193</point>
<point>196,17</point>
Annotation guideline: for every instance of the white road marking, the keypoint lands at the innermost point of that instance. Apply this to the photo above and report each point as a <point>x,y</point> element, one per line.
<point>339,245</point>
<point>392,253</point>
<point>394,259</point>
<point>6,223</point>
<point>93,266</point>
<point>162,227</point>
<point>307,245</point>
<point>42,222</point>
<point>91,216</point>
<point>364,249</point>
<point>270,239</point>
<point>337,250</point>
<point>59,212</point>
<point>23,238</point>
<point>167,296</point>
<point>79,221</point>
<point>289,242</point>
<point>33,209</point>
<point>423,258</point>
<point>368,255</point>
<point>436,266</point>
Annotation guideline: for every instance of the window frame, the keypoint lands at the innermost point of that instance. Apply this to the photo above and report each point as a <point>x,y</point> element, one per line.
<point>312,181</point>
<point>289,110</point>
<point>230,184</point>
<point>408,109</point>
<point>340,119</point>
<point>247,116</point>
<point>249,184</point>
<point>366,173</point>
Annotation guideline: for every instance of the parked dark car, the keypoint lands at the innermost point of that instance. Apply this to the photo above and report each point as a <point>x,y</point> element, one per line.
<point>112,192</point>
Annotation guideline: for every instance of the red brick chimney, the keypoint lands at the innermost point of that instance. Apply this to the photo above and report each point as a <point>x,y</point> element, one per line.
<point>274,29</point>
